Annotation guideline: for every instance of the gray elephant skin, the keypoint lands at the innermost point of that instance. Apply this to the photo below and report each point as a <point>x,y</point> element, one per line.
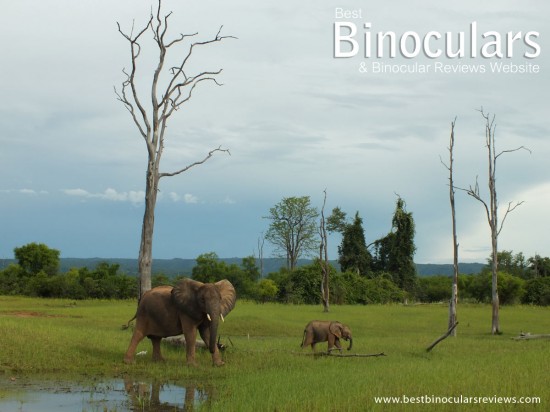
<point>326,331</point>
<point>185,308</point>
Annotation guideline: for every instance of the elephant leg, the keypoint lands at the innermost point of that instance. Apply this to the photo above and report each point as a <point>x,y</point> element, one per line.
<point>137,337</point>
<point>190,340</point>
<point>155,340</point>
<point>204,332</point>
<point>330,344</point>
<point>338,345</point>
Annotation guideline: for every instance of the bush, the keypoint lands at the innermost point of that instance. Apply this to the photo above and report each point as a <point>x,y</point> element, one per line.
<point>537,292</point>
<point>266,290</point>
<point>382,290</point>
<point>434,289</point>
<point>348,288</point>
<point>510,288</point>
<point>12,280</point>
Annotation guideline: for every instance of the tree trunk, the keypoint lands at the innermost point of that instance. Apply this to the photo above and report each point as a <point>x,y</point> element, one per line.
<point>454,292</point>
<point>145,259</point>
<point>495,323</point>
<point>493,223</point>
<point>323,260</point>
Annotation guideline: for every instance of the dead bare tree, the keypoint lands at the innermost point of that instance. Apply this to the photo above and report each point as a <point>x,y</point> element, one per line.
<point>491,209</point>
<point>177,89</point>
<point>261,241</point>
<point>323,259</point>
<point>454,291</point>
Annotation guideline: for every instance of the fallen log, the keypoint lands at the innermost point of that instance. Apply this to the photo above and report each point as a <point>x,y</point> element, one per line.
<point>341,355</point>
<point>528,336</point>
<point>179,340</point>
<point>446,335</point>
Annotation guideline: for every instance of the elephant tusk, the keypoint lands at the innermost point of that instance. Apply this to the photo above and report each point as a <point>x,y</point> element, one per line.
<point>221,316</point>
<point>208,316</point>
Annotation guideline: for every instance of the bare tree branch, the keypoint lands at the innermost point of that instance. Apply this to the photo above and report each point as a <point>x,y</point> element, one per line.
<point>442,337</point>
<point>474,192</point>
<point>199,162</point>
<point>513,150</point>
<point>135,50</point>
<point>508,210</point>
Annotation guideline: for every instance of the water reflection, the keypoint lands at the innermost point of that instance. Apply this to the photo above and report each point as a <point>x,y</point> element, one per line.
<point>115,395</point>
<point>161,397</point>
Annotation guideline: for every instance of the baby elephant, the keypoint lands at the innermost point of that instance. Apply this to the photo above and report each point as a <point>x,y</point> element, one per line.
<point>325,330</point>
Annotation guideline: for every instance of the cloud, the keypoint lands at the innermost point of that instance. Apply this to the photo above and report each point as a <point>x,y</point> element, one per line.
<point>134,197</point>
<point>25,191</point>
<point>186,198</point>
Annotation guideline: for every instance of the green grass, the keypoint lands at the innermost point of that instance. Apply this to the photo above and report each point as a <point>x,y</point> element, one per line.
<point>266,369</point>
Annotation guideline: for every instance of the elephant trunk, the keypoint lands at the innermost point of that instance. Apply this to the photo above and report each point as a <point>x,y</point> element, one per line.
<point>214,317</point>
<point>350,343</point>
<point>213,335</point>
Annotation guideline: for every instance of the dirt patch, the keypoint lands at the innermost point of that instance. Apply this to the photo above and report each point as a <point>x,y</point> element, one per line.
<point>31,314</point>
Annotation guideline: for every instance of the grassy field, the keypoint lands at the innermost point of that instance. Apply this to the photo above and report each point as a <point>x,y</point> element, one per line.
<point>267,371</point>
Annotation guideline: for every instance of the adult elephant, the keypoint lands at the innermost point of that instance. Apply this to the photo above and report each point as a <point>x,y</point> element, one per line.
<point>190,305</point>
<point>326,331</point>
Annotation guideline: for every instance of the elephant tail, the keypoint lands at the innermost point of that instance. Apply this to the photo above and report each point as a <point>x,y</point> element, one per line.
<point>124,327</point>
<point>303,339</point>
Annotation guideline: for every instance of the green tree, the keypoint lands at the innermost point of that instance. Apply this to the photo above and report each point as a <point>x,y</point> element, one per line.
<point>293,228</point>
<point>394,253</point>
<point>250,268</point>
<point>37,257</point>
<point>208,268</point>
<point>266,290</point>
<point>353,253</point>
<point>337,221</point>
<point>538,267</point>
<point>509,263</point>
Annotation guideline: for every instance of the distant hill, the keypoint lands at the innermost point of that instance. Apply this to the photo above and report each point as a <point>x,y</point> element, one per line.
<point>174,267</point>
<point>431,269</point>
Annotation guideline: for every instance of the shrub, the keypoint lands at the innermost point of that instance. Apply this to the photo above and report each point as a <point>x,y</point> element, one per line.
<point>537,291</point>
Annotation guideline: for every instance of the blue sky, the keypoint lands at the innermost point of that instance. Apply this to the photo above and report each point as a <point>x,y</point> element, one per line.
<point>295,119</point>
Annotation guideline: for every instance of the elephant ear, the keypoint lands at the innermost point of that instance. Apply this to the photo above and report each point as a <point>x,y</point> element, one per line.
<point>185,291</point>
<point>336,329</point>
<point>228,296</point>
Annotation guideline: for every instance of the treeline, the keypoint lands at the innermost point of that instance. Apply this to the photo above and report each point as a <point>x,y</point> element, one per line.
<point>37,274</point>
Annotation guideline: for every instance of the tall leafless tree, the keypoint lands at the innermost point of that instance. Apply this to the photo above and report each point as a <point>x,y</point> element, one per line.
<point>323,259</point>
<point>491,209</point>
<point>454,291</point>
<point>178,85</point>
<point>261,241</point>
